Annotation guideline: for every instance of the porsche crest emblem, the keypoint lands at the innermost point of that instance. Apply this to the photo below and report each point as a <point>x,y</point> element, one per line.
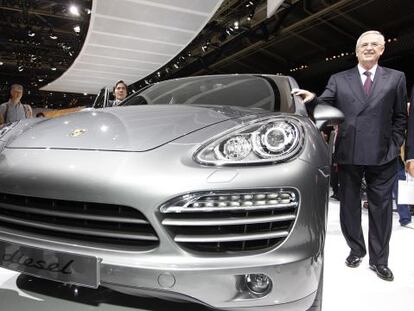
<point>77,132</point>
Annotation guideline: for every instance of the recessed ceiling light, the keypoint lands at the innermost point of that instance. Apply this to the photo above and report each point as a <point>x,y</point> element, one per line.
<point>20,68</point>
<point>73,9</point>
<point>76,29</point>
<point>53,68</point>
<point>53,36</point>
<point>1,63</point>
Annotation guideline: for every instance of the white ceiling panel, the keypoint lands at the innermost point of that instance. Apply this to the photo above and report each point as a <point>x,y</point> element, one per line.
<point>114,51</point>
<point>204,6</point>
<point>166,17</point>
<point>147,32</point>
<point>103,61</point>
<point>130,39</point>
<point>133,43</point>
<point>110,68</point>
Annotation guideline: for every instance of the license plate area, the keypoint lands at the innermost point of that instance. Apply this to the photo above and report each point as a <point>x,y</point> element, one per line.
<point>52,265</point>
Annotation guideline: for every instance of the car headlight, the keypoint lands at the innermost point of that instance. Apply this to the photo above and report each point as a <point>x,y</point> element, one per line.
<point>266,140</point>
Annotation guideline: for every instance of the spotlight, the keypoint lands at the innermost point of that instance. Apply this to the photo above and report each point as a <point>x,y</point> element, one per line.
<point>1,63</point>
<point>230,30</point>
<point>73,9</point>
<point>53,68</point>
<point>77,29</point>
<point>52,36</point>
<point>31,34</point>
<point>20,68</point>
<point>251,14</point>
<point>236,25</point>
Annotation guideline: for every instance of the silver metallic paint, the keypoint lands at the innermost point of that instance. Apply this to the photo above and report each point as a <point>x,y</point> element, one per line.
<point>45,162</point>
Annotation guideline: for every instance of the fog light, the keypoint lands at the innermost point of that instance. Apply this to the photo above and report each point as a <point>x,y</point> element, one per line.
<point>258,284</point>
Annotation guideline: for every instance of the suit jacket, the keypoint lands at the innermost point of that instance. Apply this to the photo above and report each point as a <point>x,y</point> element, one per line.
<point>409,145</point>
<point>374,125</point>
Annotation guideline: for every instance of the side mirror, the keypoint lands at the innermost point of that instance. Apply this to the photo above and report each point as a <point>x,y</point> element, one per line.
<point>325,115</point>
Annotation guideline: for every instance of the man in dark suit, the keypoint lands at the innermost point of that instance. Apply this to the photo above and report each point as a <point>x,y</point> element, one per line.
<point>374,102</point>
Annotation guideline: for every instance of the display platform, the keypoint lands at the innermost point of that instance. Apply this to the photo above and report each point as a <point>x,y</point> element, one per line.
<point>344,288</point>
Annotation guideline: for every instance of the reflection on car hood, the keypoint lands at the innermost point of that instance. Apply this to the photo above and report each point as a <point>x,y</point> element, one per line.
<point>135,128</point>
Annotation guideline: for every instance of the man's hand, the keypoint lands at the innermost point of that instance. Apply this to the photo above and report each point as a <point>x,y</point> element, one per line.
<point>409,167</point>
<point>304,94</point>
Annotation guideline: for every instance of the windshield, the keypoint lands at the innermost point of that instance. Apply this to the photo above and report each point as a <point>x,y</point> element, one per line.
<point>242,91</point>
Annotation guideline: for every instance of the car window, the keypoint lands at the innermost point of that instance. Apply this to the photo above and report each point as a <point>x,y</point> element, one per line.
<point>242,91</point>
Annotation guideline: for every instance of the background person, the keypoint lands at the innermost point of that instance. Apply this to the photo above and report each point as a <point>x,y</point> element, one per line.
<point>405,213</point>
<point>120,92</point>
<point>13,110</point>
<point>374,102</point>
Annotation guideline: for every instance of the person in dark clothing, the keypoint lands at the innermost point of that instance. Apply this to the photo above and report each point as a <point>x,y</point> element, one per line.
<point>374,102</point>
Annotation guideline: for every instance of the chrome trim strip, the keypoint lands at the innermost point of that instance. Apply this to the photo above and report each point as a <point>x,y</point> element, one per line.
<point>226,221</point>
<point>83,231</point>
<point>229,237</point>
<point>49,212</point>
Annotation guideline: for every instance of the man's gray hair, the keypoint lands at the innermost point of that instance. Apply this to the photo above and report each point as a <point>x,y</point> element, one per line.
<point>370,32</point>
<point>16,86</point>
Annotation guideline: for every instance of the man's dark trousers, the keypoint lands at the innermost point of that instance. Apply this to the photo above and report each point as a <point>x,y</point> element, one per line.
<point>380,180</point>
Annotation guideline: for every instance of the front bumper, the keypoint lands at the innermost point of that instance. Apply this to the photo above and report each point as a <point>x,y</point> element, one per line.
<point>223,288</point>
<point>169,271</point>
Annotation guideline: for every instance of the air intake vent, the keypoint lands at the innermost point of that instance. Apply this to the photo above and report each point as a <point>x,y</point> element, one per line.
<point>231,221</point>
<point>80,222</point>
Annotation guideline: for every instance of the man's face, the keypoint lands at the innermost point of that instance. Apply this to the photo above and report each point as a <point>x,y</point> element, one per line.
<point>16,94</point>
<point>120,91</point>
<point>369,49</point>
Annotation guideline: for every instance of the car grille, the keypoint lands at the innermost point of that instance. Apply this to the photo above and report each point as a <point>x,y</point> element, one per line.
<point>231,221</point>
<point>81,222</point>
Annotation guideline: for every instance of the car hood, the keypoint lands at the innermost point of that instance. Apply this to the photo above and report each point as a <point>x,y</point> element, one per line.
<point>133,128</point>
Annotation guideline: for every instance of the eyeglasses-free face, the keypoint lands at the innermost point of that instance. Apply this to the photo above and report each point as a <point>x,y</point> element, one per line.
<point>369,50</point>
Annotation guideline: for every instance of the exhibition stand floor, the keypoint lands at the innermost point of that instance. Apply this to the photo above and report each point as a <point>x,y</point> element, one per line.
<point>345,288</point>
